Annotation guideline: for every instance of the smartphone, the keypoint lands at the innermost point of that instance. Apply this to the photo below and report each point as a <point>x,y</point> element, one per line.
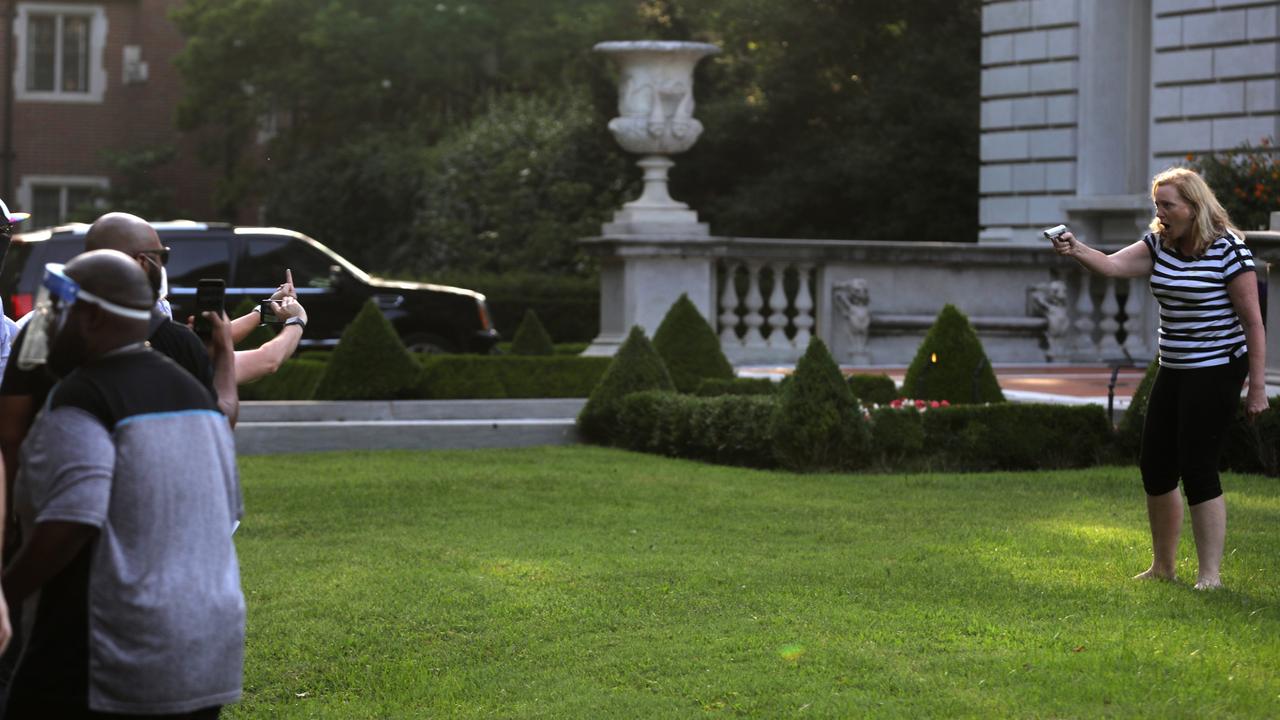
<point>210,296</point>
<point>267,310</point>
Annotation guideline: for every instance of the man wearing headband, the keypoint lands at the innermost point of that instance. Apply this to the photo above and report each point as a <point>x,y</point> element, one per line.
<point>129,470</point>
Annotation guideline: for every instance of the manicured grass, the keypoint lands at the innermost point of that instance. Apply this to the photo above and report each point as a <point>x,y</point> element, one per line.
<point>591,583</point>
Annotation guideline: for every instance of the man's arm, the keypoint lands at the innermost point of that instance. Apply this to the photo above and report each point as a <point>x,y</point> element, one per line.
<point>266,359</point>
<point>51,547</point>
<point>223,356</point>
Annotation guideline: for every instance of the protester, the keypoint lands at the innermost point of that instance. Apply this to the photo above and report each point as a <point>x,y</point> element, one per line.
<point>128,496</point>
<point>1211,337</point>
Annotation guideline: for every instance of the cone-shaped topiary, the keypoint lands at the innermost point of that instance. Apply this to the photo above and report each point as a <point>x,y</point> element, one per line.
<point>531,337</point>
<point>636,367</point>
<point>818,424</point>
<point>951,364</point>
<point>1129,430</point>
<point>258,335</point>
<point>689,347</point>
<point>370,362</point>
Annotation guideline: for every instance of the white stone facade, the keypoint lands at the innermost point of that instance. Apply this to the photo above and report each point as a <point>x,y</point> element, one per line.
<point>1084,100</point>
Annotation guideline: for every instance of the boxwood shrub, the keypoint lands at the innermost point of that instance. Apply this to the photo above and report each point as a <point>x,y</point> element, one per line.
<point>635,367</point>
<point>450,377</point>
<point>818,423</point>
<point>897,438</point>
<point>874,389</point>
<point>294,380</point>
<point>689,347</point>
<point>951,364</point>
<point>728,429</point>
<point>713,387</point>
<point>1015,436</point>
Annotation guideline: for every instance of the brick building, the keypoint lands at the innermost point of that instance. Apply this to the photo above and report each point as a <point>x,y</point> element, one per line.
<point>1084,100</point>
<point>87,77</point>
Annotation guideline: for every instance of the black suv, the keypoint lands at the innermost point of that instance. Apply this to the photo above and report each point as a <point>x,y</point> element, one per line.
<point>252,261</point>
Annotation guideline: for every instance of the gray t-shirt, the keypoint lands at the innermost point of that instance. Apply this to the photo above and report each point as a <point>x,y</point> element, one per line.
<point>134,446</point>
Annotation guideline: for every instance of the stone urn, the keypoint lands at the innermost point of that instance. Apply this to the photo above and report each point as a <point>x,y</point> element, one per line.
<point>655,120</point>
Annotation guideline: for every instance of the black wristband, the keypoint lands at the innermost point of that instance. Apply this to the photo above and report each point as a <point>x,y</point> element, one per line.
<point>302,324</point>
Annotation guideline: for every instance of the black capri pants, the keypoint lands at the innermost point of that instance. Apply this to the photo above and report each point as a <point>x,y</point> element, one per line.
<point>1187,418</point>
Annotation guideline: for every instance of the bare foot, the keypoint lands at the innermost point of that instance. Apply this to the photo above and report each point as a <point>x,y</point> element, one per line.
<point>1153,574</point>
<point>1209,584</point>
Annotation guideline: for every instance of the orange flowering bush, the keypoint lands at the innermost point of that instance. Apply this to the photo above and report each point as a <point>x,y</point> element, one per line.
<point>1246,180</point>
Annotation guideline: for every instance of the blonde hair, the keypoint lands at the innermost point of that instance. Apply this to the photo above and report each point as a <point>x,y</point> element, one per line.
<point>1210,222</point>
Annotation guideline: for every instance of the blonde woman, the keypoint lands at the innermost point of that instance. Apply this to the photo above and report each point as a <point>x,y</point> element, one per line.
<point>1211,337</point>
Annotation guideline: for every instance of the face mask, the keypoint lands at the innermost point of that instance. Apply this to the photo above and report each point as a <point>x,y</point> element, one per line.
<point>58,293</point>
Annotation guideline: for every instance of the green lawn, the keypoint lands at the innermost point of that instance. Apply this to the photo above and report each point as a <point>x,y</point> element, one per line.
<point>589,583</point>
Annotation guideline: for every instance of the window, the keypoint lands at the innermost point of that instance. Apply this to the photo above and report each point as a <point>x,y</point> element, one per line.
<point>268,258</point>
<point>59,53</point>
<point>54,200</point>
<point>193,258</point>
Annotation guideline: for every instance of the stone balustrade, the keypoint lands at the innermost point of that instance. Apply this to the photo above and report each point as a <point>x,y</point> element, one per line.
<point>872,302</point>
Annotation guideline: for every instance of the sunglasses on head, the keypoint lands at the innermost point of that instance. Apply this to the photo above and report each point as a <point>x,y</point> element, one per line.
<point>159,255</point>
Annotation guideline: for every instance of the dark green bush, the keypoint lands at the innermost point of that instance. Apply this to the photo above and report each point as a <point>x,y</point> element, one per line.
<point>1129,430</point>
<point>951,364</point>
<point>295,380</point>
<point>712,387</point>
<point>531,337</point>
<point>874,389</point>
<point>1016,436</point>
<point>818,424</point>
<point>370,362</point>
<point>447,377</point>
<point>567,305</point>
<point>636,367</point>
<point>689,347</point>
<point>897,438</point>
<point>729,430</point>
<point>1253,447</point>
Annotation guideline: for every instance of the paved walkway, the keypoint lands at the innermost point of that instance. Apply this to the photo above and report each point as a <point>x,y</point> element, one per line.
<point>1064,384</point>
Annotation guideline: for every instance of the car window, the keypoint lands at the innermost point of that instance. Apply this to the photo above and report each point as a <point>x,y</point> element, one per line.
<point>193,258</point>
<point>269,256</point>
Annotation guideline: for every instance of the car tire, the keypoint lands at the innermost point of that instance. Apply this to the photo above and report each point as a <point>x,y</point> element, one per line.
<point>428,344</point>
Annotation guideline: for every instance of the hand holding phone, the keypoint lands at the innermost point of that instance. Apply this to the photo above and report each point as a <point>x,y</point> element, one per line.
<point>210,297</point>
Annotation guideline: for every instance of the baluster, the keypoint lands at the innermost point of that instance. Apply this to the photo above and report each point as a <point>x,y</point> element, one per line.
<point>1085,346</point>
<point>1108,345</point>
<point>803,320</point>
<point>1134,342</point>
<point>778,306</point>
<point>729,306</point>
<point>753,320</point>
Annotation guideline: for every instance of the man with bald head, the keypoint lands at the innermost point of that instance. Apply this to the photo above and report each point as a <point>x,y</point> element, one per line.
<point>127,494</point>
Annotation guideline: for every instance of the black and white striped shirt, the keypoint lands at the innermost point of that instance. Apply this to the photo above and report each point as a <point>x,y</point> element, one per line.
<point>1198,324</point>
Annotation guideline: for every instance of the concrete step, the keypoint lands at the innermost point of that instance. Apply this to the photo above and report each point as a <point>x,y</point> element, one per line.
<point>267,428</point>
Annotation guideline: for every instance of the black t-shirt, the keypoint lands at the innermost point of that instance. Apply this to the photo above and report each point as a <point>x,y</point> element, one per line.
<point>172,339</point>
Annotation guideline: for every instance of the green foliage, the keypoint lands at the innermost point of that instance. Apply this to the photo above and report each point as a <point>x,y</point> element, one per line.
<point>689,347</point>
<point>258,335</point>
<point>1253,447</point>
<point>447,377</point>
<point>874,389</point>
<point>714,387</point>
<point>531,337</point>
<point>897,437</point>
<point>635,367</point>
<point>370,362</point>
<point>961,372</point>
<point>818,424</point>
<point>727,430</point>
<point>516,189</point>
<point>1129,430</point>
<point>1016,436</point>
<point>141,183</point>
<point>1246,180</point>
<point>295,380</point>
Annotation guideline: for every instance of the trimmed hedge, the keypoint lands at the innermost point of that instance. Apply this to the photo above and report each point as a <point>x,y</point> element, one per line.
<point>874,389</point>
<point>714,387</point>
<point>294,380</point>
<point>635,367</point>
<point>951,364</point>
<point>689,347</point>
<point>727,430</point>
<point>818,423</point>
<point>531,337</point>
<point>1016,436</point>
<point>897,437</point>
<point>450,377</point>
<point>370,362</point>
<point>1129,429</point>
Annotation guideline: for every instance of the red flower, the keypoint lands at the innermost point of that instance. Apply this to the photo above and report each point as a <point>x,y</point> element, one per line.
<point>946,404</point>
<point>935,404</point>
<point>919,404</point>
<point>896,403</point>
